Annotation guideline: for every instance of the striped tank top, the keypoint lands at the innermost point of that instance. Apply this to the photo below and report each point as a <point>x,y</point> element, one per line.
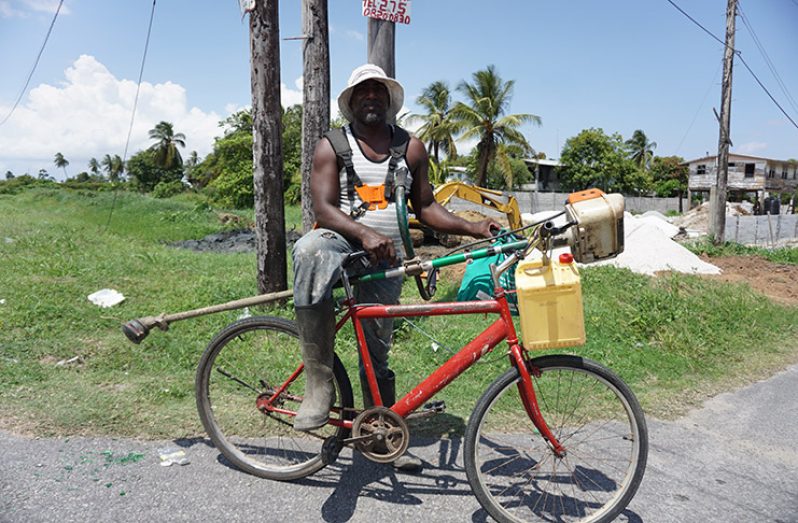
<point>372,173</point>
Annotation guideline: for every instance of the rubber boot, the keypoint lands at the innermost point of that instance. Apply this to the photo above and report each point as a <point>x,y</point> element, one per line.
<point>317,336</point>
<point>387,386</point>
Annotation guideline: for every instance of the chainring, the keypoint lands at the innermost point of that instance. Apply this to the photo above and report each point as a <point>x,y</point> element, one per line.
<point>390,435</point>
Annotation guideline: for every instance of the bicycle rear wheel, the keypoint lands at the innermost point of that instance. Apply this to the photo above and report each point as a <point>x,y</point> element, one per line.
<point>516,476</point>
<point>248,360</point>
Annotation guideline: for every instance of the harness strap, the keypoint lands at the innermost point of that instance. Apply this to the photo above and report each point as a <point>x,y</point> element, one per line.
<point>343,151</point>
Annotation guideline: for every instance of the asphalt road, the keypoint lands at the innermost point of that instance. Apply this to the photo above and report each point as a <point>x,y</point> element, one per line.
<point>734,460</point>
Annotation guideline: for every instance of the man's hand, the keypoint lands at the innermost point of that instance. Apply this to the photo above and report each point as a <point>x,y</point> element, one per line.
<point>379,247</point>
<point>484,228</point>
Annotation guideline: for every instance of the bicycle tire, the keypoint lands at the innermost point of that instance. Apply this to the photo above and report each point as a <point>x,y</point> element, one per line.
<point>261,353</point>
<point>517,478</point>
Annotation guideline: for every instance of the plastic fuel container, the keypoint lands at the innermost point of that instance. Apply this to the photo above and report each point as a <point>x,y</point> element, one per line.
<point>550,303</point>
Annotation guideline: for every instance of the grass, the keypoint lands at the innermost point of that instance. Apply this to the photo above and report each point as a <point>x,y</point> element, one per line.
<point>674,339</point>
<point>783,255</point>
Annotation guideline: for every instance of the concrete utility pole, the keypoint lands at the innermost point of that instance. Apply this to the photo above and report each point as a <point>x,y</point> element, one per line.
<point>315,93</point>
<point>717,224</point>
<point>267,147</point>
<point>382,45</point>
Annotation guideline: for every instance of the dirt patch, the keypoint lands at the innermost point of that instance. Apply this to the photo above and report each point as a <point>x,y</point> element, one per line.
<point>775,280</point>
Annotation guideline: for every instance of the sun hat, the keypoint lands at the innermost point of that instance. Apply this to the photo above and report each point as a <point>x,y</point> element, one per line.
<point>371,72</point>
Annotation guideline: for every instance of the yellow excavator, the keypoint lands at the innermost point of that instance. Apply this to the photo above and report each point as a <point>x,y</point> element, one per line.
<point>495,200</point>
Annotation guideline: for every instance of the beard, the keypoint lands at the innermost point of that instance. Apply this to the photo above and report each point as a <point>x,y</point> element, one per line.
<point>373,117</point>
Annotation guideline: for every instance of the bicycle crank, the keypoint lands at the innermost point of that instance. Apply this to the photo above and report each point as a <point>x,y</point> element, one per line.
<point>380,434</point>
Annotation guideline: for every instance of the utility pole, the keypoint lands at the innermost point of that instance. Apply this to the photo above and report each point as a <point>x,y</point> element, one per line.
<point>315,93</point>
<point>382,45</point>
<point>717,225</point>
<point>267,146</point>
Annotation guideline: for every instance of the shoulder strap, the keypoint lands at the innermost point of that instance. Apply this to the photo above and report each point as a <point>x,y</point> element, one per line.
<point>399,144</point>
<point>343,152</point>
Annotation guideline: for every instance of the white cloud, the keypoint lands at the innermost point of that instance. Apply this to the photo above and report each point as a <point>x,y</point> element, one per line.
<point>356,35</point>
<point>88,115</point>
<point>288,96</point>
<point>21,8</point>
<point>751,147</point>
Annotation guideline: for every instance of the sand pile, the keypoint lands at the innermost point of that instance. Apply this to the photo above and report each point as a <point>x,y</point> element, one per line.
<point>697,219</point>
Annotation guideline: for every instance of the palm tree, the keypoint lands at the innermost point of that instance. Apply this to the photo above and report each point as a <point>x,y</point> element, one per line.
<point>94,166</point>
<point>61,162</point>
<point>167,140</point>
<point>484,117</point>
<point>641,151</point>
<point>113,166</point>
<point>438,127</point>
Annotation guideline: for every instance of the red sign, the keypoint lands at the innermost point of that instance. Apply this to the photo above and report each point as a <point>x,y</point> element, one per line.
<point>397,11</point>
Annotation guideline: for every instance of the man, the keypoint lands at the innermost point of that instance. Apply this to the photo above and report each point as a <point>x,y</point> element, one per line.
<point>369,102</point>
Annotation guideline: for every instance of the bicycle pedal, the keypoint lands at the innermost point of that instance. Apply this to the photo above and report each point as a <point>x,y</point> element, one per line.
<point>330,450</point>
<point>435,407</point>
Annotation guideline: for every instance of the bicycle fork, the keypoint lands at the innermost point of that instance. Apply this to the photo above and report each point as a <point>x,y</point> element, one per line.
<point>527,392</point>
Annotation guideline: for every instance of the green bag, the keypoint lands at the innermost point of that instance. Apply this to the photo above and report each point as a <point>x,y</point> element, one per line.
<point>476,282</point>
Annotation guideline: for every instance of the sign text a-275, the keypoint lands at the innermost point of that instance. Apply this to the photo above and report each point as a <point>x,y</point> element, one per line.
<point>391,10</point>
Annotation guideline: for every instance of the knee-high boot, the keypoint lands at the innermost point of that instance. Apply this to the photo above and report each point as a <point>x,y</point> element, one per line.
<point>317,337</point>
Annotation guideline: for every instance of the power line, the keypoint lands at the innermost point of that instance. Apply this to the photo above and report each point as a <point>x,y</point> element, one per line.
<point>700,107</point>
<point>135,105</point>
<point>35,64</point>
<point>768,61</point>
<point>740,56</point>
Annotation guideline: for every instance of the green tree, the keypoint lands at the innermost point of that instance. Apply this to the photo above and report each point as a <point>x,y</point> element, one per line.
<point>94,166</point>
<point>438,127</point>
<point>113,166</point>
<point>146,171</point>
<point>669,176</point>
<point>167,141</point>
<point>61,162</point>
<point>484,117</point>
<point>593,159</point>
<point>9,175</point>
<point>641,151</point>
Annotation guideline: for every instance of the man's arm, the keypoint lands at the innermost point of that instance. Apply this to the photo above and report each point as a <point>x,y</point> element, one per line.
<point>430,212</point>
<point>324,190</point>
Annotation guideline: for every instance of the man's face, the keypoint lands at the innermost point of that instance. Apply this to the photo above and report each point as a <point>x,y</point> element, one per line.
<point>369,102</point>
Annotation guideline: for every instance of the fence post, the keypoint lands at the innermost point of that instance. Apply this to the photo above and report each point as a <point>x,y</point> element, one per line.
<point>737,230</point>
<point>778,227</point>
<point>756,230</point>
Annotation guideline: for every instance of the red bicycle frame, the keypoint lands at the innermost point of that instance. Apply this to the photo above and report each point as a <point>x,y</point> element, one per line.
<point>485,342</point>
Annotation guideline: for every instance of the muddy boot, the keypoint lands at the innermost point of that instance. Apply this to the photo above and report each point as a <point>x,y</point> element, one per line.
<point>317,337</point>
<point>406,462</point>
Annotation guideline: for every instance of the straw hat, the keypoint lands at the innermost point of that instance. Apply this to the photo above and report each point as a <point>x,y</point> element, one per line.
<point>371,72</point>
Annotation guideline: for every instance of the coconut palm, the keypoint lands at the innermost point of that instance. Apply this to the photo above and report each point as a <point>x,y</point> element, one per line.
<point>112,166</point>
<point>641,151</point>
<point>94,166</point>
<point>167,140</point>
<point>61,162</point>
<point>484,117</point>
<point>438,128</point>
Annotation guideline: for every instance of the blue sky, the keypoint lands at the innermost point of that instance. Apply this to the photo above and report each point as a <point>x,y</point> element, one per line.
<point>619,65</point>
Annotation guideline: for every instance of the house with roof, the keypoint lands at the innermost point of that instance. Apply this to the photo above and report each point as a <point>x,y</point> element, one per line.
<point>752,176</point>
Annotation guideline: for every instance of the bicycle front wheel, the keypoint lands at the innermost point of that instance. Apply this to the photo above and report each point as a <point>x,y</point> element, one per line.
<point>249,360</point>
<point>513,471</point>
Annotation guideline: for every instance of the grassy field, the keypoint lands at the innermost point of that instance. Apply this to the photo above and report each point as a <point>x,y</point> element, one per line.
<point>674,339</point>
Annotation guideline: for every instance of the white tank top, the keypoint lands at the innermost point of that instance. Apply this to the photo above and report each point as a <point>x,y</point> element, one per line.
<point>372,173</point>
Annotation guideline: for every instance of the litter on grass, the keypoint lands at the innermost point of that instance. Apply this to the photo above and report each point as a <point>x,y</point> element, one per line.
<point>106,298</point>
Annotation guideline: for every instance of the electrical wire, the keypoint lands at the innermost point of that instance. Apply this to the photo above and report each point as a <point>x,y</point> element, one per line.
<point>740,56</point>
<point>35,64</point>
<point>700,107</point>
<point>135,106</point>
<point>768,61</point>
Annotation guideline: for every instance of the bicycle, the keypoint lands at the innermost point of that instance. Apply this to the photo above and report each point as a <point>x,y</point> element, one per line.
<point>555,437</point>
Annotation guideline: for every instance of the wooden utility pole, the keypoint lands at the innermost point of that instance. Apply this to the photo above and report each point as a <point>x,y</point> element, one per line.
<point>382,45</point>
<point>267,147</point>
<point>315,93</point>
<point>717,224</point>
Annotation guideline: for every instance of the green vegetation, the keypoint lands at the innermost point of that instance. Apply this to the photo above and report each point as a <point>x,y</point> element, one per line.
<point>783,255</point>
<point>673,338</point>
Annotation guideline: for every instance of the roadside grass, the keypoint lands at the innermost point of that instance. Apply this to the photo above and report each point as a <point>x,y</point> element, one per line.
<point>675,339</point>
<point>788,255</point>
